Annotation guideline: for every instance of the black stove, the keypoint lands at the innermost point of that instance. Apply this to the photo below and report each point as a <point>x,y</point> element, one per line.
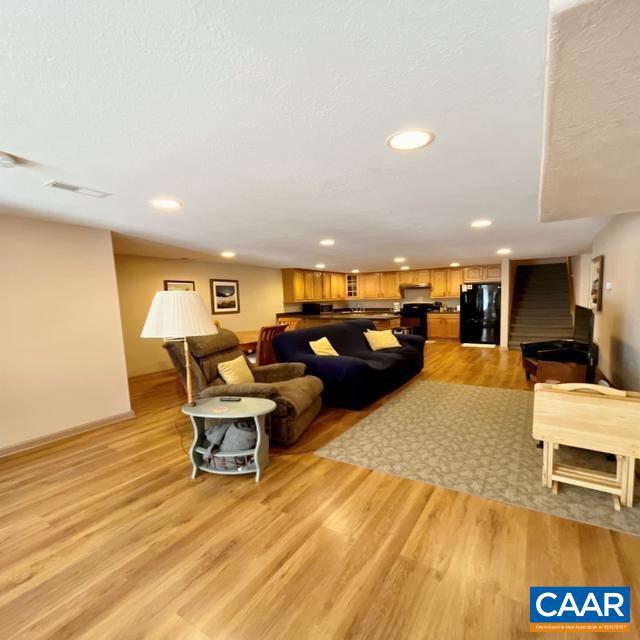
<point>414,315</point>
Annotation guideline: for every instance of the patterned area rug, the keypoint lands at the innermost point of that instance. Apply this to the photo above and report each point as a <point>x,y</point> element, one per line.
<point>476,440</point>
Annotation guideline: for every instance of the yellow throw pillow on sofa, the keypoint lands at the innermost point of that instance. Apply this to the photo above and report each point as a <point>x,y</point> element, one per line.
<point>323,347</point>
<point>381,339</point>
<point>236,371</point>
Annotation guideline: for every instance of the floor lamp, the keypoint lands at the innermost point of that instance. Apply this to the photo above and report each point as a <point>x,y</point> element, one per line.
<point>177,315</point>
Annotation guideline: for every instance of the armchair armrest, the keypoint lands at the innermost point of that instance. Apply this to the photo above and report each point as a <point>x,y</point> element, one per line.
<point>279,372</point>
<point>251,389</point>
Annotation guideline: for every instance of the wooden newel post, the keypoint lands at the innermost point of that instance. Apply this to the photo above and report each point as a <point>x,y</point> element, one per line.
<point>187,366</point>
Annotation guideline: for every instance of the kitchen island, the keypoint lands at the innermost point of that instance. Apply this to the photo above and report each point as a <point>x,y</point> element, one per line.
<point>381,320</point>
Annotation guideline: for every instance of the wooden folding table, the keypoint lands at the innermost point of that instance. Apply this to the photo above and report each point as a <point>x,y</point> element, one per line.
<point>591,417</point>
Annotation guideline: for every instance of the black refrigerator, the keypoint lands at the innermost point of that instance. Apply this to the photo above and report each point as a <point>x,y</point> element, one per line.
<point>480,313</point>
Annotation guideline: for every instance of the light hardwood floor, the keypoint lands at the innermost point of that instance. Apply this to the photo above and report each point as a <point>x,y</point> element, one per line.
<point>104,535</point>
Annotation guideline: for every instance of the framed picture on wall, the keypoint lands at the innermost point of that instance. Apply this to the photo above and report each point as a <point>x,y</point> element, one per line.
<point>179,285</point>
<point>597,274</point>
<point>225,296</point>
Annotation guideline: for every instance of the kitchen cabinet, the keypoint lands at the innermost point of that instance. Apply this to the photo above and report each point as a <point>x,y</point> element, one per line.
<point>415,276</point>
<point>317,285</point>
<point>308,285</point>
<point>353,288</point>
<point>369,285</point>
<point>454,280</point>
<point>390,284</point>
<point>473,274</point>
<point>443,326</point>
<point>445,283</point>
<point>298,284</point>
<point>422,276</point>
<point>439,283</point>
<point>337,286</point>
<point>326,286</point>
<point>493,272</point>
<point>487,273</point>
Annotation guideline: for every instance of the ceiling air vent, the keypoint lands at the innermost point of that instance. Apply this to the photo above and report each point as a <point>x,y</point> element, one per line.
<point>94,193</point>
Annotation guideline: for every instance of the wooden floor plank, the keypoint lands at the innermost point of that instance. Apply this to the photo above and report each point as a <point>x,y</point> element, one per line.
<point>104,535</point>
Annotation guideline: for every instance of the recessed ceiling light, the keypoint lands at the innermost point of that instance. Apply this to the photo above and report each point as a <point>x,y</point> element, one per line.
<point>454,264</point>
<point>166,203</point>
<point>228,254</point>
<point>320,265</point>
<point>355,270</point>
<point>327,242</point>
<point>405,267</point>
<point>399,259</point>
<point>503,252</point>
<point>410,139</point>
<point>479,224</point>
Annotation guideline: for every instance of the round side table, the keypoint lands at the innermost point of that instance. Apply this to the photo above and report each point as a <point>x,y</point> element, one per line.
<point>255,408</point>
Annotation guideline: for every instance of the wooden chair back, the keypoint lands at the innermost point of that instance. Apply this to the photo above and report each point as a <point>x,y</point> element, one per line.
<point>264,350</point>
<point>291,324</point>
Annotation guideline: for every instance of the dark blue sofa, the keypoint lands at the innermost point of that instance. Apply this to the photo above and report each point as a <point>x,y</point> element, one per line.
<point>358,376</point>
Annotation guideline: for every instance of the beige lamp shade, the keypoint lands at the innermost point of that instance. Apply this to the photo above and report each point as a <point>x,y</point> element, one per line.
<point>178,314</point>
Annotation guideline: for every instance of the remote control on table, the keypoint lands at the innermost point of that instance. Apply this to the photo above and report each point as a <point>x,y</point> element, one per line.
<point>230,398</point>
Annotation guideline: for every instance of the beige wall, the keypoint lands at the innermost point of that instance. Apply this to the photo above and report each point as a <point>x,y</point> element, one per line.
<point>140,277</point>
<point>62,362</point>
<point>617,327</point>
<point>581,267</point>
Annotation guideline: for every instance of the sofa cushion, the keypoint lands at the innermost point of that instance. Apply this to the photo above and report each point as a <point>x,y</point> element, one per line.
<point>381,339</point>
<point>322,347</point>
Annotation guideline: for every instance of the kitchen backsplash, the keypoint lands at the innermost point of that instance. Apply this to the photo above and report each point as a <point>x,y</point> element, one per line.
<point>411,295</point>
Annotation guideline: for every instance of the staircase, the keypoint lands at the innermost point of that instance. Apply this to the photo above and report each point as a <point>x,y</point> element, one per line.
<point>540,308</point>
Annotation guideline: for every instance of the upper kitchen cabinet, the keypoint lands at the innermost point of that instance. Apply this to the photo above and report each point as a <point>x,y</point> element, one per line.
<point>445,283</point>
<point>415,276</point>
<point>487,273</point>
<point>389,284</point>
<point>439,288</point>
<point>369,285</point>
<point>338,286</point>
<point>454,280</point>
<point>299,285</point>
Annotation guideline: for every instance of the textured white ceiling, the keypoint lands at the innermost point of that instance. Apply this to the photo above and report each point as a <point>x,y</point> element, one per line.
<point>269,120</point>
<point>591,160</point>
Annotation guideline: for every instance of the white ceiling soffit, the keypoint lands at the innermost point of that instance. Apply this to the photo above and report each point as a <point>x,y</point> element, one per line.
<point>269,122</point>
<point>591,149</point>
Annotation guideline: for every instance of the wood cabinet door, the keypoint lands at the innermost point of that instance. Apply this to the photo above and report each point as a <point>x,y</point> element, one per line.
<point>317,285</point>
<point>422,276</point>
<point>337,286</point>
<point>390,284</point>
<point>473,274</point>
<point>451,327</point>
<point>326,286</point>
<point>493,272</point>
<point>435,327</point>
<point>308,285</point>
<point>454,280</point>
<point>406,277</point>
<point>369,285</point>
<point>298,285</point>
<point>439,288</point>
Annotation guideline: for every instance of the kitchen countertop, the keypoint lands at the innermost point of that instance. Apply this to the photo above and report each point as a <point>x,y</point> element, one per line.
<point>337,315</point>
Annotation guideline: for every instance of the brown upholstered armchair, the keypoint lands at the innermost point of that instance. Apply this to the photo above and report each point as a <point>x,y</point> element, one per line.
<point>296,395</point>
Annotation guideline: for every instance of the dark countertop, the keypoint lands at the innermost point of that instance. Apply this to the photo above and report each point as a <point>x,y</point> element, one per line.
<point>437,313</point>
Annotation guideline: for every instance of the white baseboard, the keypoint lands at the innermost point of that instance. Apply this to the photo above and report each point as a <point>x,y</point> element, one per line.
<point>478,345</point>
<point>65,433</point>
